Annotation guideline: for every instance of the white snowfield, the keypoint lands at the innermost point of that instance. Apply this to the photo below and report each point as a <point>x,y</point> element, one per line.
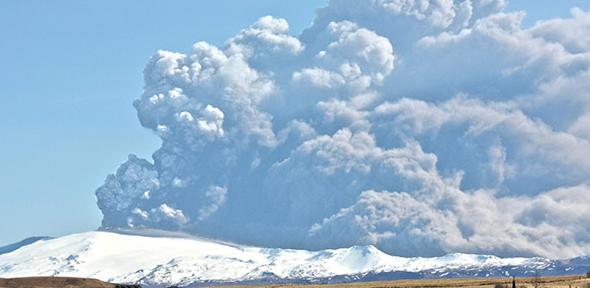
<point>123,258</point>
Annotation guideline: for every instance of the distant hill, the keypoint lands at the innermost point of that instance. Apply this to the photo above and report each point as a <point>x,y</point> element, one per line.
<point>28,241</point>
<point>51,282</point>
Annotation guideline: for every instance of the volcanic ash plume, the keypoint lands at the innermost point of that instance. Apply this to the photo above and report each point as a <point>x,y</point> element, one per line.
<point>421,127</point>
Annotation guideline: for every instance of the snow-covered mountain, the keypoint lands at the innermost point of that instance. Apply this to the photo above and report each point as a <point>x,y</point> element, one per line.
<point>163,261</point>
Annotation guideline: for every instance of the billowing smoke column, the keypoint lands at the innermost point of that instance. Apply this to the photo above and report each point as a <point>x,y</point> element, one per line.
<point>421,127</point>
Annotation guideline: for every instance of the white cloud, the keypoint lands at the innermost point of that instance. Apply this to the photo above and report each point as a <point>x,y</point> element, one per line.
<point>570,33</point>
<point>168,213</point>
<point>216,197</point>
<point>268,37</point>
<point>319,78</point>
<point>142,214</point>
<point>581,127</point>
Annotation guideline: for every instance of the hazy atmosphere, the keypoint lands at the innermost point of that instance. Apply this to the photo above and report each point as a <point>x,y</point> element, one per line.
<point>420,127</point>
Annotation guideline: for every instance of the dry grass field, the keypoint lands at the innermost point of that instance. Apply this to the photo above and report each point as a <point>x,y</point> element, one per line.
<point>545,282</point>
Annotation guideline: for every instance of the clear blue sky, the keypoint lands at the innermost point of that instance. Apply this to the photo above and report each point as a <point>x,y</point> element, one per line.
<point>68,75</point>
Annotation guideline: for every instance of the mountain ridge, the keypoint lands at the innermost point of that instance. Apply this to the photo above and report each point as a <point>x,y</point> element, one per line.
<point>14,246</point>
<point>164,261</point>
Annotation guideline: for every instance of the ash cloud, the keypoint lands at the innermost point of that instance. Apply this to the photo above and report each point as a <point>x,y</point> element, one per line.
<point>420,127</point>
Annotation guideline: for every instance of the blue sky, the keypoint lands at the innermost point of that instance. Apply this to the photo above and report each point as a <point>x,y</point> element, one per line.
<point>70,71</point>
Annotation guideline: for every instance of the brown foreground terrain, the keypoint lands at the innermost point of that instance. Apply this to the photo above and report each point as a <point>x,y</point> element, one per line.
<point>53,282</point>
<point>554,282</point>
<point>546,282</point>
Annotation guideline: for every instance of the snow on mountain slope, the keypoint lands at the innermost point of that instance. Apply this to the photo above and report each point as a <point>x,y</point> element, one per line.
<point>167,260</point>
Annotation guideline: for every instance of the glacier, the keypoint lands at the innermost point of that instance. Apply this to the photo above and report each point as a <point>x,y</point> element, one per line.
<point>171,259</point>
